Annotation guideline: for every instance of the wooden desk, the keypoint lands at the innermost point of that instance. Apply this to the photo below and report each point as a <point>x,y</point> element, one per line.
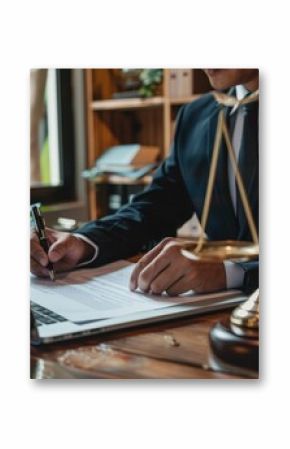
<point>174,350</point>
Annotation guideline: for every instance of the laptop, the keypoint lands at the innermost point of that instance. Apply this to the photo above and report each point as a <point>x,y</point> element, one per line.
<point>48,326</point>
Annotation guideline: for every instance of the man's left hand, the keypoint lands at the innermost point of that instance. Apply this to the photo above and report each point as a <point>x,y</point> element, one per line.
<point>169,267</point>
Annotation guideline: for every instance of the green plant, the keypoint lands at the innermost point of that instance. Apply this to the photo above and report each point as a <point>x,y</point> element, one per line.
<point>150,78</point>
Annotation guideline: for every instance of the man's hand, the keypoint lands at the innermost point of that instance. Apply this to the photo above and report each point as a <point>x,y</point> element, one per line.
<point>65,252</point>
<point>168,267</point>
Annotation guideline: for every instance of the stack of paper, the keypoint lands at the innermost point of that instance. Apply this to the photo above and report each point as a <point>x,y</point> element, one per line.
<point>102,293</point>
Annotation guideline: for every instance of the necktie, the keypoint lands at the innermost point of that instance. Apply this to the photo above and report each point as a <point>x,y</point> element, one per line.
<point>237,127</point>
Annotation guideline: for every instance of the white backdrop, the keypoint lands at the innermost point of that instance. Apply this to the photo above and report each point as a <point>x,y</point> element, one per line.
<point>73,414</point>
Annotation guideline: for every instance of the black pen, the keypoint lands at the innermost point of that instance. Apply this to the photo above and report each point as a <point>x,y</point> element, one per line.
<point>40,230</point>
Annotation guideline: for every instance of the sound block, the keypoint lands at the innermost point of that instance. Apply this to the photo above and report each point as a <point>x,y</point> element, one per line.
<point>234,348</point>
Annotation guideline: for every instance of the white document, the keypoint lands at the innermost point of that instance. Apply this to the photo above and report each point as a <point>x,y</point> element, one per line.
<point>101,293</point>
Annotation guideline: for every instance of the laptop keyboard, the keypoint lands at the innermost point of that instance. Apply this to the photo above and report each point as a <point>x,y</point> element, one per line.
<point>45,316</point>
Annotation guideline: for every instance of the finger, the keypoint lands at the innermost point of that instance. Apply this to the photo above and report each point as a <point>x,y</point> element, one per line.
<point>51,235</point>
<point>37,252</point>
<point>182,285</point>
<point>145,260</point>
<point>164,280</point>
<point>37,269</point>
<point>58,250</point>
<point>63,265</point>
<point>151,271</point>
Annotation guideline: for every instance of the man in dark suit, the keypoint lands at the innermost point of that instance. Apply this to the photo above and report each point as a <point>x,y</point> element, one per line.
<point>177,191</point>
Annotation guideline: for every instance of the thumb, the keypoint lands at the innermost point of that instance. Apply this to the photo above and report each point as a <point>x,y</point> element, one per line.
<point>57,250</point>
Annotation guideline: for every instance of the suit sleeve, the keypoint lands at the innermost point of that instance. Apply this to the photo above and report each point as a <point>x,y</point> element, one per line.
<point>151,215</point>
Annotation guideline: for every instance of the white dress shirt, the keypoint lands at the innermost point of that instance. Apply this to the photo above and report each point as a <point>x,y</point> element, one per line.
<point>234,273</point>
<point>96,249</point>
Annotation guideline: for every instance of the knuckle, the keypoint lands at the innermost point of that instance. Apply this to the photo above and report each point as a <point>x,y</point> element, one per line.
<point>143,281</point>
<point>36,251</point>
<point>167,240</point>
<point>39,255</point>
<point>140,265</point>
<point>133,275</point>
<point>171,249</point>
<point>156,287</point>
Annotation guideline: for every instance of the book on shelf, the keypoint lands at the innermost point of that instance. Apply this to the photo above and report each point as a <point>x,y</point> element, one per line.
<point>133,161</point>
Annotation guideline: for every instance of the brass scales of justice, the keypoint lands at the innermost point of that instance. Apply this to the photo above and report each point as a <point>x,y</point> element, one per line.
<point>244,319</point>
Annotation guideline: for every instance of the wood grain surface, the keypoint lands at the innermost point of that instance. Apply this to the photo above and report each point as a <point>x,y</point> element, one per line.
<point>173,350</point>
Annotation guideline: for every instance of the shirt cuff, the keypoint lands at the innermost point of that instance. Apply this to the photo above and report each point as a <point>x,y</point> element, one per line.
<point>96,248</point>
<point>234,274</point>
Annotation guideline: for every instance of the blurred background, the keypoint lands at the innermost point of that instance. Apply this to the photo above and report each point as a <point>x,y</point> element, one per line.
<point>97,135</point>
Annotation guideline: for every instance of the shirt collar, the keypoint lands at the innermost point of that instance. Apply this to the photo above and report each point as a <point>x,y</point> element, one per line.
<point>241,92</point>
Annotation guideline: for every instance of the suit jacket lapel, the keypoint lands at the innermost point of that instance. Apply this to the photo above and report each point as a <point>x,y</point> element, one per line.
<point>249,170</point>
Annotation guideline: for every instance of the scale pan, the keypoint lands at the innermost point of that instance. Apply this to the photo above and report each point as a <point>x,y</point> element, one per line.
<point>239,251</point>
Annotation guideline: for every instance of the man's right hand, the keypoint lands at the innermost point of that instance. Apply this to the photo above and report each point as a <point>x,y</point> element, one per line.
<point>65,252</point>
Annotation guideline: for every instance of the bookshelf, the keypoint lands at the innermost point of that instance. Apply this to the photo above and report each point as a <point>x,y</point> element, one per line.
<point>148,121</point>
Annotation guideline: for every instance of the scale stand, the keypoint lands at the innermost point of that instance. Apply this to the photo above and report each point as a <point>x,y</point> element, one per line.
<point>234,342</point>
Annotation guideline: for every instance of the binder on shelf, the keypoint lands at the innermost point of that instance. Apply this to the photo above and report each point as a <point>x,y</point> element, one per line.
<point>185,82</point>
<point>173,83</point>
<point>180,83</point>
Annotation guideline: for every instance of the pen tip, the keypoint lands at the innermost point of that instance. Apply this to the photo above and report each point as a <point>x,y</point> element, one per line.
<point>51,275</point>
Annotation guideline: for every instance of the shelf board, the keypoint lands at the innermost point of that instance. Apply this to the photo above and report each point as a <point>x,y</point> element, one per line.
<point>126,103</point>
<point>183,100</point>
<point>121,180</point>
<point>134,103</point>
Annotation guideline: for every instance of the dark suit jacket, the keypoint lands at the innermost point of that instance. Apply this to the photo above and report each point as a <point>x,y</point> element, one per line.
<point>177,190</point>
